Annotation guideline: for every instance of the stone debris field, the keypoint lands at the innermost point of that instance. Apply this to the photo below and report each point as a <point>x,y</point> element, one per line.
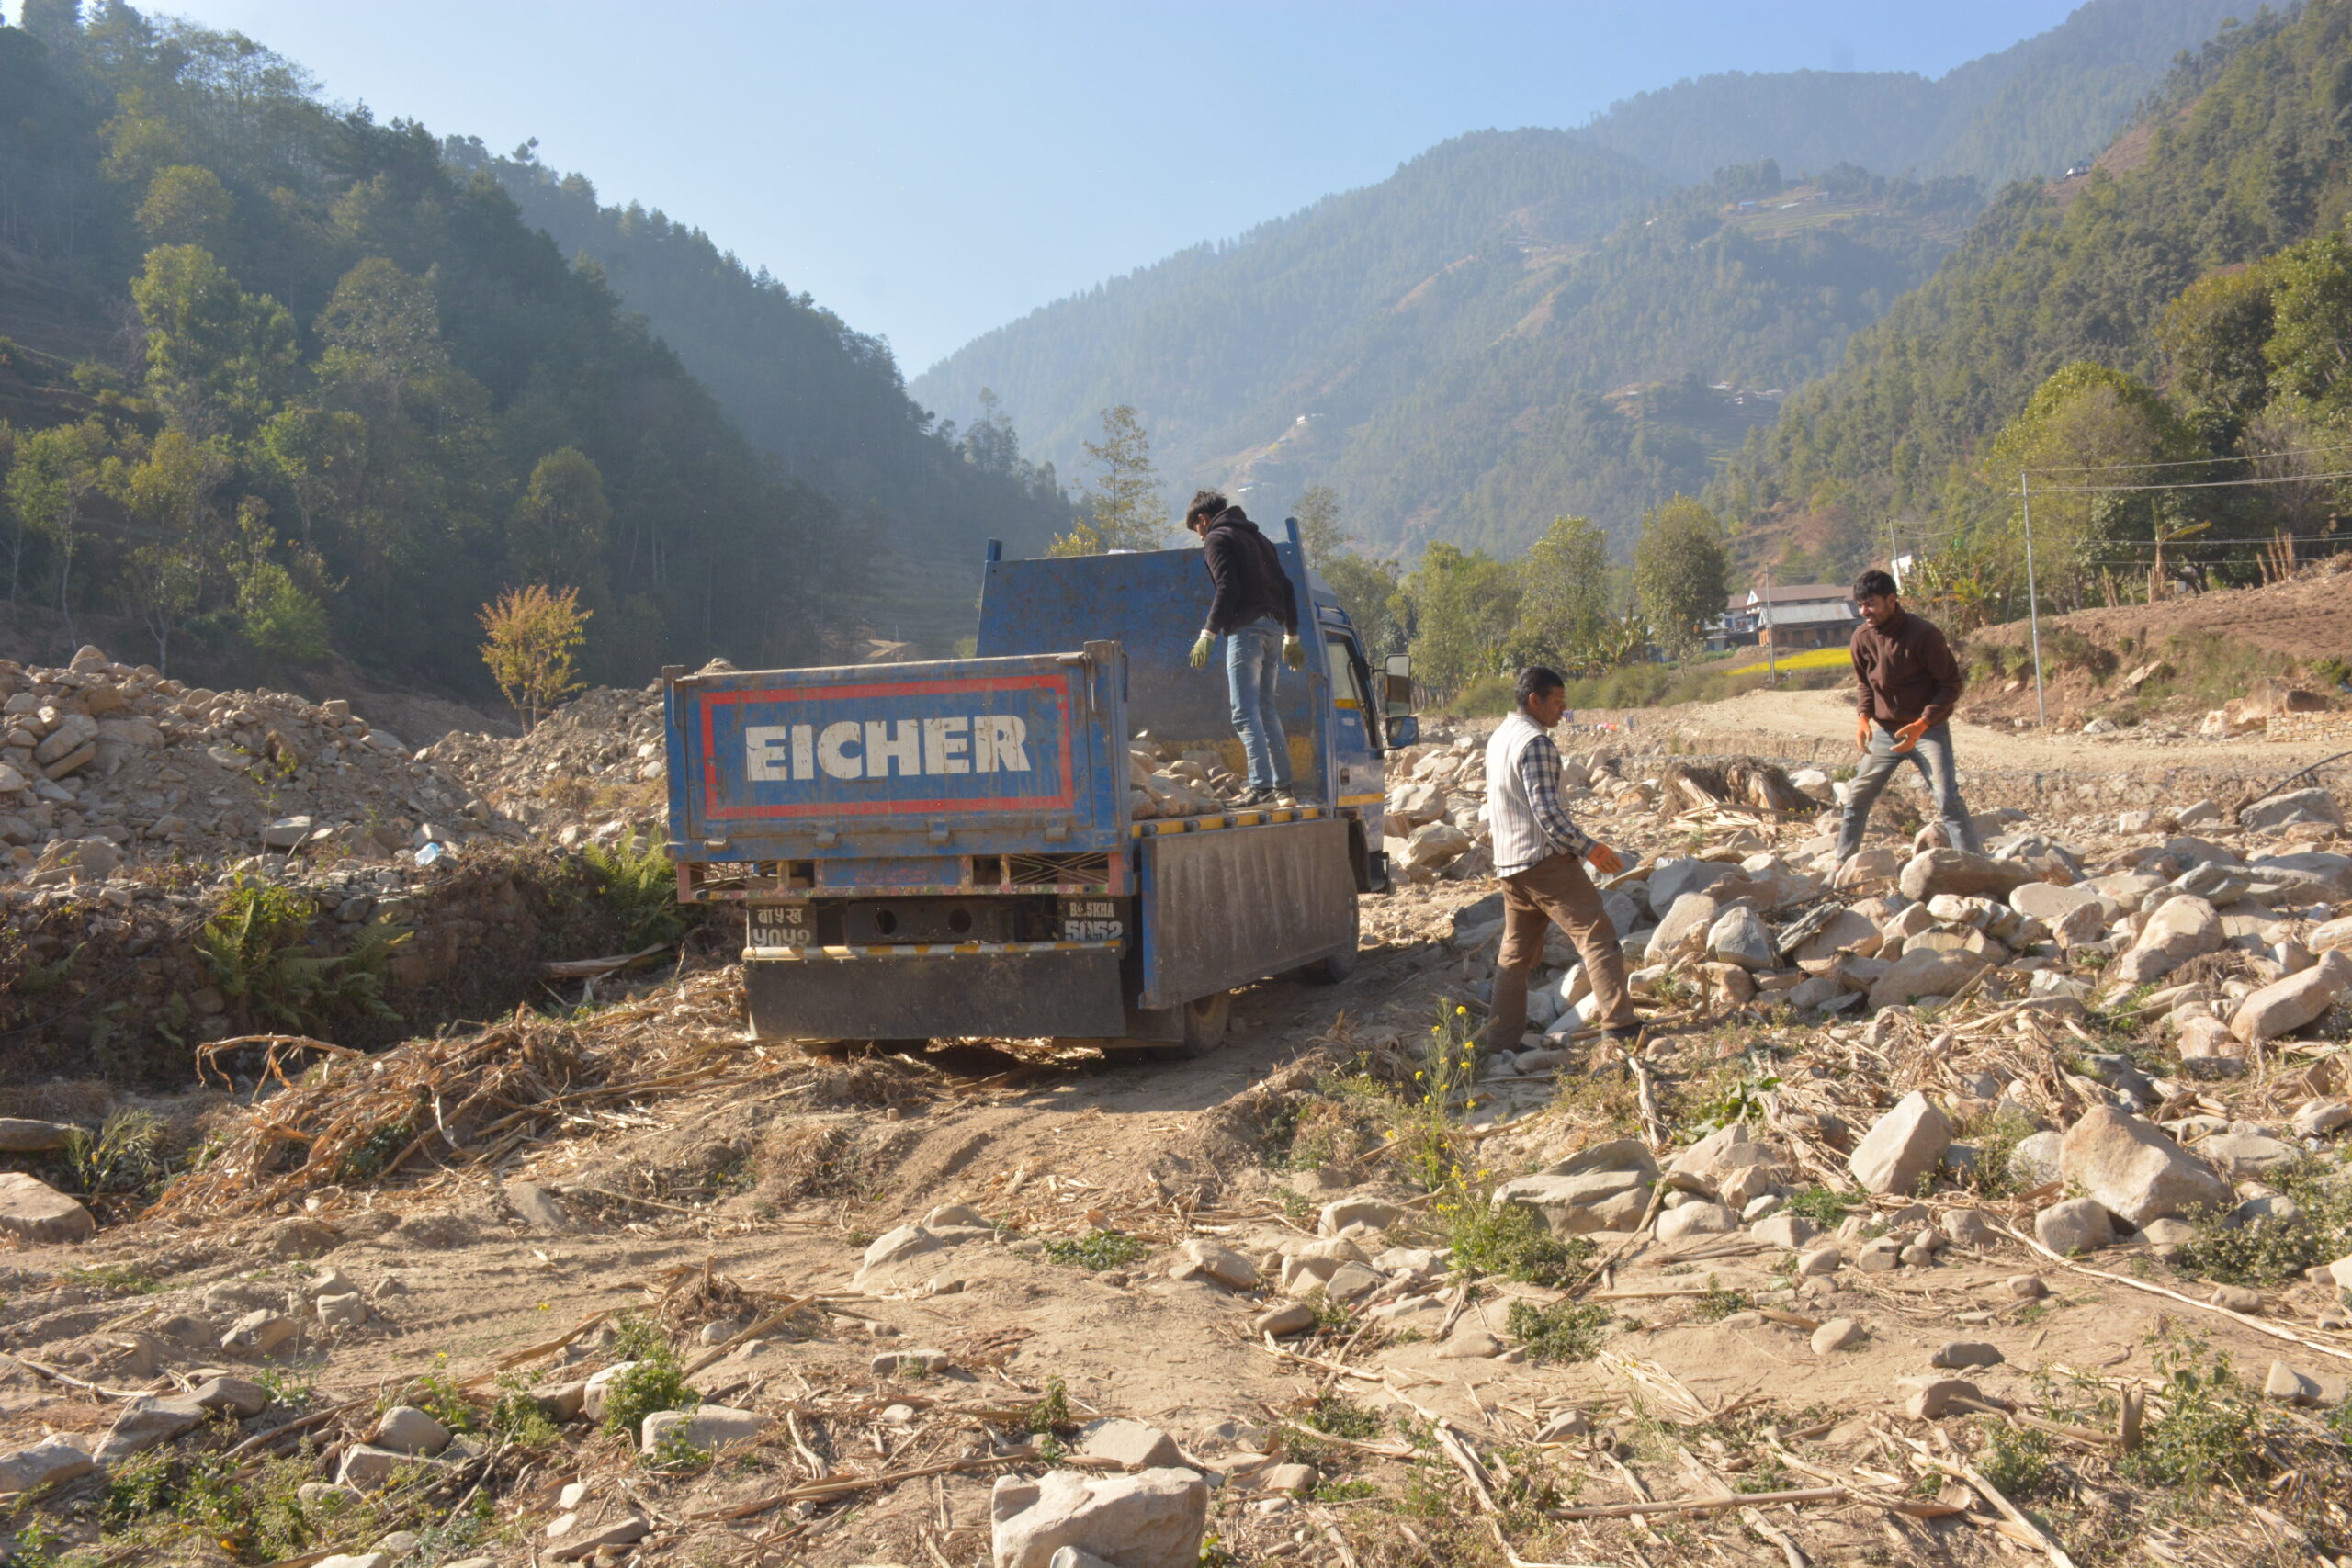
<point>1950,1208</point>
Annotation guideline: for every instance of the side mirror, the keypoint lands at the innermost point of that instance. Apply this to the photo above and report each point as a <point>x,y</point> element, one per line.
<point>1399,664</point>
<point>1404,730</point>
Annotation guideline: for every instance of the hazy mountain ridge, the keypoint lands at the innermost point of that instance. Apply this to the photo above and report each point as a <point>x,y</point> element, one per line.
<point>1476,410</point>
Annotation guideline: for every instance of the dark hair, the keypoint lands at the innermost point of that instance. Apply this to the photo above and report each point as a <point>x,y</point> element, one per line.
<point>1873,584</point>
<point>1206,503</point>
<point>1535,680</point>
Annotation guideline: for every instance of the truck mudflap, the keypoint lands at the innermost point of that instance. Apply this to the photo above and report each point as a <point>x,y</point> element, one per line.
<point>1221,909</point>
<point>937,992</point>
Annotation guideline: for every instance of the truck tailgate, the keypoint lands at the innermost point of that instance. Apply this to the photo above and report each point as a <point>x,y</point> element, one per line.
<point>969,756</point>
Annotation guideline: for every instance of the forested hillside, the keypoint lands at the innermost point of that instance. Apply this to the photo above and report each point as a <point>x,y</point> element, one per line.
<point>280,377</point>
<point>825,398</point>
<point>2188,303</point>
<point>1201,341</point>
<point>1450,349</point>
<point>2031,109</point>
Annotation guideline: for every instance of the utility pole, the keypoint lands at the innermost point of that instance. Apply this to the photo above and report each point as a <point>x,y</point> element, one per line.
<point>2032,599</point>
<point>1771,649</point>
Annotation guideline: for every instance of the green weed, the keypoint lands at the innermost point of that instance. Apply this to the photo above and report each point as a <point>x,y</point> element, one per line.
<point>637,883</point>
<point>126,1155</point>
<point>253,950</point>
<point>1569,1331</point>
<point>1822,1205</point>
<point>1099,1250</point>
<point>1511,1240</point>
<point>1717,1303</point>
<point>654,1381</point>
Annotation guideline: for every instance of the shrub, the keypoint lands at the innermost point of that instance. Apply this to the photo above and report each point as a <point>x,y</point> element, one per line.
<point>637,883</point>
<point>1568,1331</point>
<point>1098,1250</point>
<point>1511,1240</point>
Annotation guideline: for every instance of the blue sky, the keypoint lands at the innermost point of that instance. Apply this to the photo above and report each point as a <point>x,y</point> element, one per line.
<point>931,170</point>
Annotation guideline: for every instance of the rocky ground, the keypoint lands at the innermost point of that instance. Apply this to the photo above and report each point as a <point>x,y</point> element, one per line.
<point>1951,1209</point>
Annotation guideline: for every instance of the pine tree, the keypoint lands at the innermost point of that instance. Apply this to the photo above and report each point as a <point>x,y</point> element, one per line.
<point>1125,511</point>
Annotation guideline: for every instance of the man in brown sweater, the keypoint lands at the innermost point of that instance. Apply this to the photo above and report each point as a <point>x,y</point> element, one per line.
<point>1908,683</point>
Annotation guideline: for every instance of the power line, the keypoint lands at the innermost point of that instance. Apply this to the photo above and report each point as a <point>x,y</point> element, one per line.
<point>2189,462</point>
<point>2199,484</point>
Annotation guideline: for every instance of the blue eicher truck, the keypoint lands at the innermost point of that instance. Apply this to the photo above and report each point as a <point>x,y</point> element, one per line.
<point>947,850</point>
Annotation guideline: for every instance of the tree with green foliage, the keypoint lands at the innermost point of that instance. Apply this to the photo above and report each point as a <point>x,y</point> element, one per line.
<point>1320,535</point>
<point>1124,510</point>
<point>186,205</point>
<point>168,492</point>
<point>218,358</point>
<point>558,533</point>
<point>1563,595</point>
<point>316,453</point>
<point>2087,424</point>
<point>49,483</point>
<point>2310,347</point>
<point>1369,592</point>
<point>1466,604</point>
<point>2214,335</point>
<point>1680,571</point>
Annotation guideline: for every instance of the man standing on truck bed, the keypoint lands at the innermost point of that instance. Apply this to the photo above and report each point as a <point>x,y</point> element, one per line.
<point>1540,856</point>
<point>1906,684</point>
<point>1254,601</point>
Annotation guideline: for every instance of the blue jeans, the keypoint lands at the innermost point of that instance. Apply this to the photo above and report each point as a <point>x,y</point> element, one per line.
<point>1253,658</point>
<point>1932,756</point>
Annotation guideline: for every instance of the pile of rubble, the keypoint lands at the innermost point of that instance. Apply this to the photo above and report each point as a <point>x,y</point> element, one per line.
<point>593,771</point>
<point>106,765</point>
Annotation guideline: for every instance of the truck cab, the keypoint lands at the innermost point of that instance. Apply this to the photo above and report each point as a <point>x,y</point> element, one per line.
<point>951,849</point>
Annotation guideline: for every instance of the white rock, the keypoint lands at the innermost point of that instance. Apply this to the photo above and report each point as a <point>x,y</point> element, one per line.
<point>709,1428</point>
<point>1696,1219</point>
<point>408,1431</point>
<point>1154,1519</point>
<point>1904,1145</point>
<point>1739,936</point>
<point>35,1212</point>
<point>2075,1225</point>
<point>2185,928</point>
<point>2131,1168</point>
<point>2285,1006</point>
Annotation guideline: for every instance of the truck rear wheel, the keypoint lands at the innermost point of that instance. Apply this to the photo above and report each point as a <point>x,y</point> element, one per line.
<point>1205,1022</point>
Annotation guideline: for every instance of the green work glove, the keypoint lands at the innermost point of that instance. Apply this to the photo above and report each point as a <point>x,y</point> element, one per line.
<point>1201,651</point>
<point>1294,653</point>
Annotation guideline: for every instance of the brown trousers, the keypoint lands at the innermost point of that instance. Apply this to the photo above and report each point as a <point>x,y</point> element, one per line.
<point>1556,890</point>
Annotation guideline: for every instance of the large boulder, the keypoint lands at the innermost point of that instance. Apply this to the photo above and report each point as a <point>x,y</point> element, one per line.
<point>2284,1006</point>
<point>1154,1519</point>
<point>1924,972</point>
<point>1684,925</point>
<point>1842,931</point>
<point>34,1210</point>
<point>2298,805</point>
<point>1957,870</point>
<point>1434,844</point>
<point>2181,930</point>
<point>1739,936</point>
<point>1904,1145</point>
<point>1669,879</point>
<point>1579,1203</point>
<point>2315,873</point>
<point>2130,1168</point>
<point>2049,902</point>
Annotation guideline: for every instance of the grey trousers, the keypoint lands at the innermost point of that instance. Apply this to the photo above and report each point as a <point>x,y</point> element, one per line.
<point>1932,756</point>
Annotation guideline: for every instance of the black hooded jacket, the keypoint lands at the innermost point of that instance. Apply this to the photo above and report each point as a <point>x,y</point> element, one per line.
<point>1249,578</point>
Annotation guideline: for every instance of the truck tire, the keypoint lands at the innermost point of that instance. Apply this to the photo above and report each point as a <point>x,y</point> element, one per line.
<point>1206,1020</point>
<point>1340,966</point>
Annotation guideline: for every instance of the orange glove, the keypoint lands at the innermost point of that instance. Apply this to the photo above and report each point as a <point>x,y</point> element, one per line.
<point>1862,731</point>
<point>1604,860</point>
<point>1908,736</point>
